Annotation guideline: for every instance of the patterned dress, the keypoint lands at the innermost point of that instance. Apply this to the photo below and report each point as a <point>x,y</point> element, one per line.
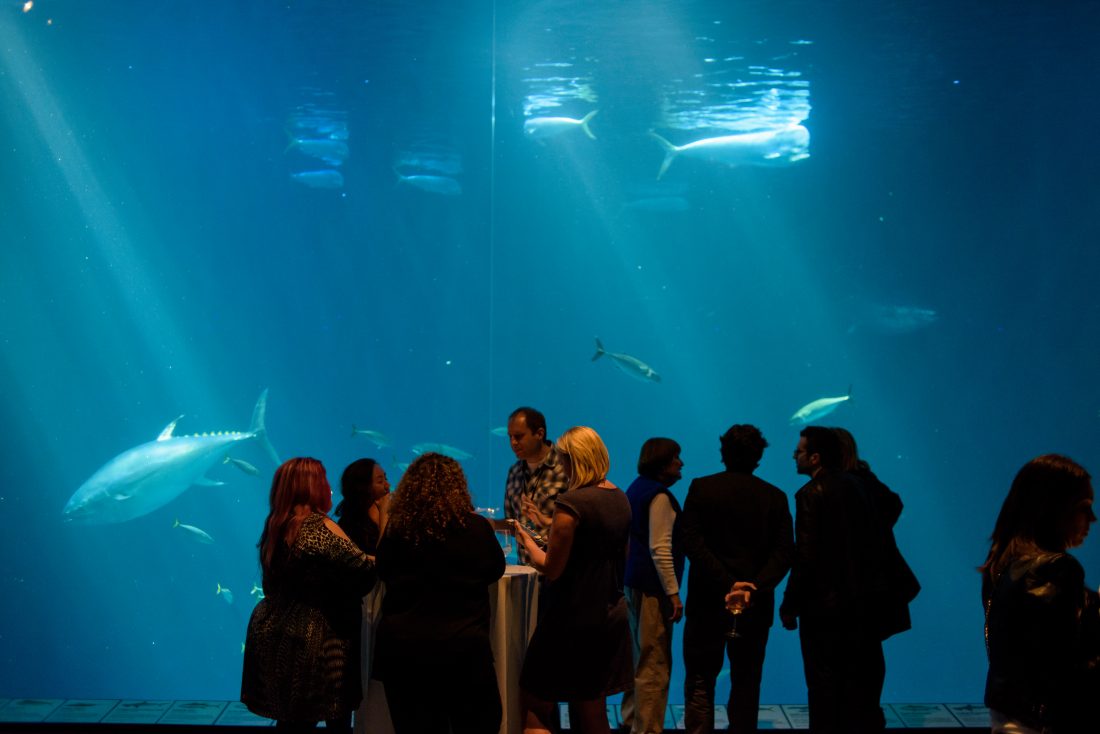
<point>301,658</point>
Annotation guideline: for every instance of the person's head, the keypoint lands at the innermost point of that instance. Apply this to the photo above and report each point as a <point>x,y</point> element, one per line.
<point>298,489</point>
<point>431,496</point>
<point>659,460</point>
<point>1048,507</point>
<point>584,455</point>
<point>362,484</point>
<point>742,447</point>
<point>527,433</point>
<point>849,452</point>
<point>818,448</point>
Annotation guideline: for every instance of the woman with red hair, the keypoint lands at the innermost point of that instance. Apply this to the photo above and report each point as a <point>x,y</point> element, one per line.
<point>301,658</point>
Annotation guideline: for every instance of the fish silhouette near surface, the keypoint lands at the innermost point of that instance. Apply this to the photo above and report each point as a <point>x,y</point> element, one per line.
<point>818,409</point>
<point>149,476</point>
<point>767,148</point>
<point>632,366</point>
<point>541,128</point>
<point>442,448</point>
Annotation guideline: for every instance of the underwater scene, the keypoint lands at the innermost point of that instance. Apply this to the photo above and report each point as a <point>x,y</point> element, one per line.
<point>373,228</point>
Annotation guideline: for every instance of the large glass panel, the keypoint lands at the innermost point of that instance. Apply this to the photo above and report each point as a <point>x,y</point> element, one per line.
<point>404,220</point>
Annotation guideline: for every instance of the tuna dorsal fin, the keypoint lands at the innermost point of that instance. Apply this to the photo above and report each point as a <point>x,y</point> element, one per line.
<point>167,432</point>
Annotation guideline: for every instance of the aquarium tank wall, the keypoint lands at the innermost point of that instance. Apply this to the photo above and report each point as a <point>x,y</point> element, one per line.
<point>398,221</point>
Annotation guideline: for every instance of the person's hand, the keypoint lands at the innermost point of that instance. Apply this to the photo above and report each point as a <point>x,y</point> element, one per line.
<point>741,591</point>
<point>677,608</point>
<point>788,620</point>
<point>523,536</point>
<point>531,511</point>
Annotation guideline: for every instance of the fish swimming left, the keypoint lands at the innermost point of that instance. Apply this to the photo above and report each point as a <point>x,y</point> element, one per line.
<point>541,128</point>
<point>225,593</point>
<point>632,366</point>
<point>147,477</point>
<point>779,147</point>
<point>818,409</point>
<point>441,448</point>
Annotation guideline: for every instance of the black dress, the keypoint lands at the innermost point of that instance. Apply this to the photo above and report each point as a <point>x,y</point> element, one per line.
<point>432,647</point>
<point>581,649</point>
<point>301,657</point>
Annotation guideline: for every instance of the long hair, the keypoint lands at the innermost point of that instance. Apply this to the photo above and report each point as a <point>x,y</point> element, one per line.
<point>357,491</point>
<point>587,454</point>
<point>431,496</point>
<point>1032,519</point>
<point>849,452</point>
<point>298,489</point>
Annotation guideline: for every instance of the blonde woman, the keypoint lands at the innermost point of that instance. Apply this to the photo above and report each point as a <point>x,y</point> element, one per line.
<point>580,652</point>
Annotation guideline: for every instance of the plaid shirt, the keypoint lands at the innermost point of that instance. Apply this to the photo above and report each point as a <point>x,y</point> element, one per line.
<point>542,486</point>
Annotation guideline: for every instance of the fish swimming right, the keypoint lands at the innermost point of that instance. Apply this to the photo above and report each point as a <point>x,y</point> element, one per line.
<point>778,147</point>
<point>632,366</point>
<point>197,533</point>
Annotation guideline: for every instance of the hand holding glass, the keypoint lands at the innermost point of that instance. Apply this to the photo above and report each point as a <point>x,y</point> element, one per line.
<point>736,602</point>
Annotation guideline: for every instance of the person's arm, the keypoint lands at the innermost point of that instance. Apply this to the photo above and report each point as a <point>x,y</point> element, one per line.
<point>781,545</point>
<point>551,562</point>
<point>662,518</point>
<point>347,563</point>
<point>690,531</point>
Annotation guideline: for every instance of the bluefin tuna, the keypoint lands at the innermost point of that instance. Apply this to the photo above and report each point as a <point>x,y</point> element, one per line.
<point>778,147</point>
<point>818,409</point>
<point>442,185</point>
<point>149,476</point>
<point>541,128</point>
<point>632,366</point>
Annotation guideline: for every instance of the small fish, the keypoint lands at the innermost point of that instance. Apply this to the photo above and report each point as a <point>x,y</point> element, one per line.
<point>323,179</point>
<point>501,431</point>
<point>379,439</point>
<point>257,591</point>
<point>242,465</point>
<point>225,593</point>
<point>441,448</point>
<point>199,535</point>
<point>632,366</point>
<point>818,409</point>
<point>541,128</point>
<point>442,185</point>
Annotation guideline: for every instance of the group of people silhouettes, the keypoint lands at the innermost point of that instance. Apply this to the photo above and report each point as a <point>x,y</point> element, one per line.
<point>611,565</point>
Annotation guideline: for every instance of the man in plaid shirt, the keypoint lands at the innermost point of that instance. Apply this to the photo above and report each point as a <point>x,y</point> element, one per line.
<point>537,477</point>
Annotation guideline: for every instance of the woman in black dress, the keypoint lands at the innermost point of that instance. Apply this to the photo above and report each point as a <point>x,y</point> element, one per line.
<point>437,558</point>
<point>1042,625</point>
<point>365,491</point>
<point>580,652</point>
<point>301,657</point>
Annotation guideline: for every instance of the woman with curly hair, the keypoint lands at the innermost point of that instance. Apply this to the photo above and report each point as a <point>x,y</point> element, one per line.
<point>1042,627</point>
<point>581,649</point>
<point>437,558</point>
<point>301,656</point>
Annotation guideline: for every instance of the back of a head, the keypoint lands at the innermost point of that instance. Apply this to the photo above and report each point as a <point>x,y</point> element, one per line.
<point>587,454</point>
<point>1043,494</point>
<point>655,456</point>
<point>742,447</point>
<point>431,495</point>
<point>826,444</point>
<point>355,486</point>
<point>298,488</point>
<point>849,452</point>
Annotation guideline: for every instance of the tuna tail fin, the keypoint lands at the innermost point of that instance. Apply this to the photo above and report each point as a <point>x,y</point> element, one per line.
<point>584,124</point>
<point>670,153</point>
<point>600,351</point>
<point>259,430</point>
<point>176,524</point>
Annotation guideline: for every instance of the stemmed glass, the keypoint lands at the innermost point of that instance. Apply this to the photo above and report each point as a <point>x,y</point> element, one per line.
<point>737,601</point>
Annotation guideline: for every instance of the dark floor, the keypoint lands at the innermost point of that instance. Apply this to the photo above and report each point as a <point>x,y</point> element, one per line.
<point>78,716</point>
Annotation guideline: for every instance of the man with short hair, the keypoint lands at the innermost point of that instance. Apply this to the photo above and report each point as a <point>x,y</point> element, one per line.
<point>537,477</point>
<point>837,570</point>
<point>736,530</point>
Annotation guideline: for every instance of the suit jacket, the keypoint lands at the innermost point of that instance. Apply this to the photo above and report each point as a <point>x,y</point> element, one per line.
<point>735,527</point>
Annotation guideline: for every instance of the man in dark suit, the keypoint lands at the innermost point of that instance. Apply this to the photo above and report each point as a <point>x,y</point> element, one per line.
<point>736,531</point>
<point>833,595</point>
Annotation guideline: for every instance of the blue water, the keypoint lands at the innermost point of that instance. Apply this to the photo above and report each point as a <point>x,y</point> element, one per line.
<point>161,256</point>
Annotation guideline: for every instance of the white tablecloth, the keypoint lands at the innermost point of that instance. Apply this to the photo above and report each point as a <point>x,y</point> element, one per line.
<point>513,605</point>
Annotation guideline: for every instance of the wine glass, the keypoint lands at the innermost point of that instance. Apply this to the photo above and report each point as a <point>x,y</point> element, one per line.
<point>735,605</point>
